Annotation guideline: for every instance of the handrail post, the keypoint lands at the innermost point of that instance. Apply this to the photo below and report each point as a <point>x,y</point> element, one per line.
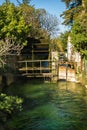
<point>26,67</point>
<point>40,67</point>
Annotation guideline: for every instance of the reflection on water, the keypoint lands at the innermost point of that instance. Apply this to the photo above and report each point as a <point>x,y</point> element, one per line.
<point>60,106</point>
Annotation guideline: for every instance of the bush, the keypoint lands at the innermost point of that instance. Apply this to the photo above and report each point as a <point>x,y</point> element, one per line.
<point>10,104</point>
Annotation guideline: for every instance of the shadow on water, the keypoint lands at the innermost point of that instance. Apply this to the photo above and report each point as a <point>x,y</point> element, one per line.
<point>51,106</point>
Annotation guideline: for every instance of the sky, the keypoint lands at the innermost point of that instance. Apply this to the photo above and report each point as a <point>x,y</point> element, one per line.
<point>53,7</point>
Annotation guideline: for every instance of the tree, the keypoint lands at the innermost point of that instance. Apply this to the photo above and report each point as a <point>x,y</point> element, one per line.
<point>78,11</point>
<point>63,37</point>
<point>24,2</point>
<point>31,18</point>
<point>17,24</point>
<point>72,3</point>
<point>48,22</point>
<point>14,31</point>
<point>8,47</point>
<point>60,43</point>
<point>79,31</point>
<point>56,45</point>
<point>79,36</point>
<point>43,24</point>
<point>12,24</point>
<point>74,8</point>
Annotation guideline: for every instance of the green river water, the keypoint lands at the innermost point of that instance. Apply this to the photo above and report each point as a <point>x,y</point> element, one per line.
<point>51,106</point>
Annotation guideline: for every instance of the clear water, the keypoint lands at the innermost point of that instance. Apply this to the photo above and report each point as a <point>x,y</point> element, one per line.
<point>47,106</point>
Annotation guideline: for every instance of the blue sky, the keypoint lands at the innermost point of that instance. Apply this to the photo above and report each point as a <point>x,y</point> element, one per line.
<point>53,7</point>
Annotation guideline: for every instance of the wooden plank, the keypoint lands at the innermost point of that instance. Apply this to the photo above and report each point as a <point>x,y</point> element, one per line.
<point>38,74</point>
<point>34,68</point>
<point>23,61</point>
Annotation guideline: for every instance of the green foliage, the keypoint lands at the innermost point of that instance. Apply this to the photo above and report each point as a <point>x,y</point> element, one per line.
<point>12,24</point>
<point>10,104</point>
<point>23,21</point>
<point>31,19</point>
<point>56,45</point>
<point>23,2</point>
<point>60,43</point>
<point>79,36</point>
<point>74,8</point>
<point>63,37</point>
<point>77,15</point>
<point>26,1</point>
